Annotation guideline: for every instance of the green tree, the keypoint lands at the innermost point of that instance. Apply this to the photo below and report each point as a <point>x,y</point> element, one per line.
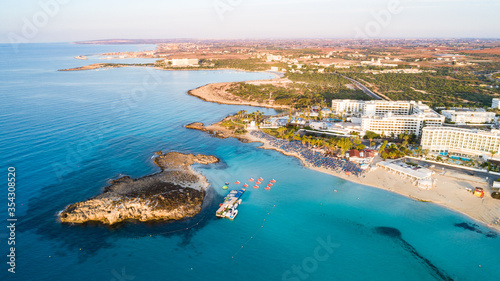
<point>425,152</point>
<point>382,147</point>
<point>344,144</point>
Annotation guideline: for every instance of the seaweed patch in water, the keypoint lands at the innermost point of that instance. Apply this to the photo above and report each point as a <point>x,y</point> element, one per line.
<point>474,227</point>
<point>395,234</point>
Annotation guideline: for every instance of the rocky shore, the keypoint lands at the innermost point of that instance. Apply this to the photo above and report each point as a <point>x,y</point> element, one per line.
<point>86,67</point>
<point>218,93</point>
<point>174,193</point>
<point>105,65</point>
<point>216,129</point>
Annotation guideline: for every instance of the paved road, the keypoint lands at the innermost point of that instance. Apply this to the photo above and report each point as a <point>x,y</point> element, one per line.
<point>490,76</point>
<point>362,87</point>
<point>483,175</point>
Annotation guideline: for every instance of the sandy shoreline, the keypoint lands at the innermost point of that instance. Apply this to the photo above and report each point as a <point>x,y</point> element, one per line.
<point>449,193</point>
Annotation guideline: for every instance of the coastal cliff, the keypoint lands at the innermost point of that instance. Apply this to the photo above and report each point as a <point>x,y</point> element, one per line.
<point>174,193</point>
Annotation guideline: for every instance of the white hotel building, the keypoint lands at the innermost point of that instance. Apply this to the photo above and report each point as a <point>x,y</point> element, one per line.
<point>182,62</point>
<point>467,116</point>
<point>390,117</point>
<point>470,142</point>
<point>382,108</point>
<point>373,107</point>
<point>347,106</point>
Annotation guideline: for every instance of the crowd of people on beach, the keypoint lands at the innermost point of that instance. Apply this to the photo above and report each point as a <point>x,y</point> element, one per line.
<point>311,157</point>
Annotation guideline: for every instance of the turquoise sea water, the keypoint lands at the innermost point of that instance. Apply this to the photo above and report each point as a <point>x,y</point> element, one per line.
<point>68,133</point>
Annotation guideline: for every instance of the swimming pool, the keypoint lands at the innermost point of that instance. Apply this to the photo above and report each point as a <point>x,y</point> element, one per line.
<point>460,158</point>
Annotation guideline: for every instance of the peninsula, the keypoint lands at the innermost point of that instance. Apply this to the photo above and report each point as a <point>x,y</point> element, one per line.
<point>172,194</point>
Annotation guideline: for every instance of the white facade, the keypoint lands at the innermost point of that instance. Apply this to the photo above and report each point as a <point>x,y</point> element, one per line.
<point>461,141</point>
<point>463,117</point>
<point>318,125</point>
<point>400,117</point>
<point>182,62</point>
<point>381,108</point>
<point>400,124</point>
<point>387,117</point>
<point>495,103</point>
<point>347,106</point>
<point>373,107</point>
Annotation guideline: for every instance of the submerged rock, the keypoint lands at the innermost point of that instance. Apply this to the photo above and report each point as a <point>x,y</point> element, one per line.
<point>388,231</point>
<point>174,193</point>
<point>396,235</point>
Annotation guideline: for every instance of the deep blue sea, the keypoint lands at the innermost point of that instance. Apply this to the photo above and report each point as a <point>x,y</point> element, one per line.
<point>68,133</point>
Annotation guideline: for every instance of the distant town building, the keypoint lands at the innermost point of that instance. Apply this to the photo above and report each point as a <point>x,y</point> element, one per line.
<point>271,57</point>
<point>468,116</point>
<point>463,142</point>
<point>182,62</point>
<point>403,70</point>
<point>495,103</point>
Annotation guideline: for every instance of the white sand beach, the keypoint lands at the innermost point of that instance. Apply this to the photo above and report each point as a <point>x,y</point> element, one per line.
<point>449,191</point>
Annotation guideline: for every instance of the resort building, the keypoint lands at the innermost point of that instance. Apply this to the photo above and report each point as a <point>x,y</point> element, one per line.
<point>461,142</point>
<point>376,107</point>
<point>364,156</point>
<point>381,108</point>
<point>318,125</point>
<point>325,111</point>
<point>495,103</point>
<point>347,106</point>
<point>399,124</point>
<point>182,62</point>
<point>389,117</point>
<point>275,122</point>
<point>468,116</point>
<point>416,118</point>
<point>419,176</point>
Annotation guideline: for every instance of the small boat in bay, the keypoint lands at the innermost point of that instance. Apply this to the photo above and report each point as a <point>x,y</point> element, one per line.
<point>228,209</point>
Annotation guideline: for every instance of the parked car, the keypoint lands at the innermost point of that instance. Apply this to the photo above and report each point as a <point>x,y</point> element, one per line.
<point>495,195</point>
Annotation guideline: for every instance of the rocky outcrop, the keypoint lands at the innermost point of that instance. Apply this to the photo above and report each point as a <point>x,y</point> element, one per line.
<point>216,129</point>
<point>174,193</point>
<point>196,126</point>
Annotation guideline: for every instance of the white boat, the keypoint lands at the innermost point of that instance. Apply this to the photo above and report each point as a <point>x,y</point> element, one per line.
<point>233,214</point>
<point>227,209</point>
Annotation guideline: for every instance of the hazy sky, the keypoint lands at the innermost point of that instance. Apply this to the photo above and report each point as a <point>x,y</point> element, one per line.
<point>72,20</point>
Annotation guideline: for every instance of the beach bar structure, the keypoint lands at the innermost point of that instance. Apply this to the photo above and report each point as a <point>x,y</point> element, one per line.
<point>421,177</point>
